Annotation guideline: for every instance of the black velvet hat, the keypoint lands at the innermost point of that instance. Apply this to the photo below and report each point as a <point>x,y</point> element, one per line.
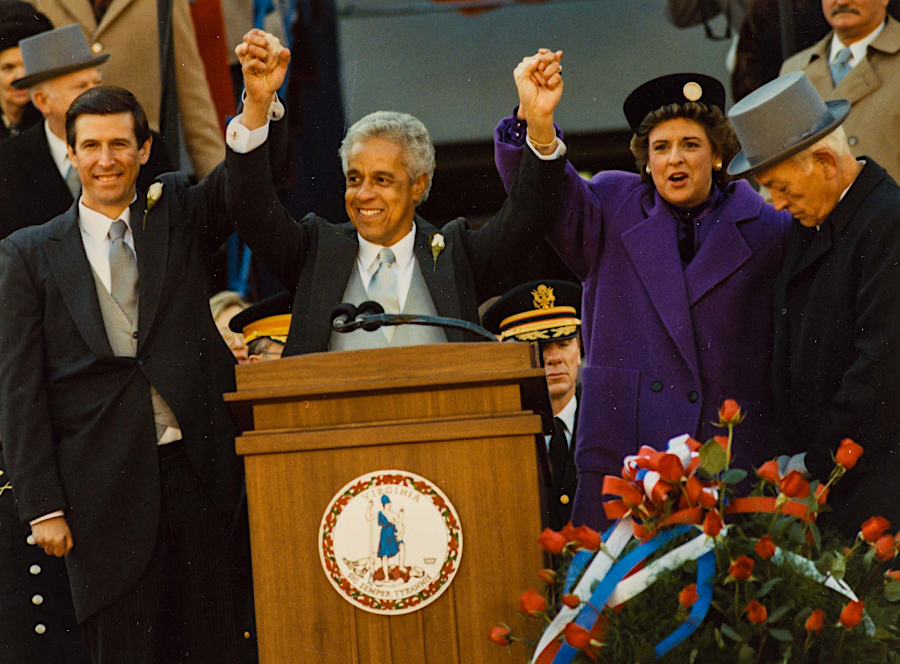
<point>18,21</point>
<point>537,311</point>
<point>672,89</point>
<point>270,318</point>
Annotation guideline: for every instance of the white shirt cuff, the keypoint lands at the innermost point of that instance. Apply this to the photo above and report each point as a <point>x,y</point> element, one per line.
<point>556,154</point>
<point>47,517</point>
<point>242,140</point>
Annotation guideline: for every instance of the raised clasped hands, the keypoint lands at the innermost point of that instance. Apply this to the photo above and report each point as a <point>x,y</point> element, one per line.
<point>264,65</point>
<point>539,83</point>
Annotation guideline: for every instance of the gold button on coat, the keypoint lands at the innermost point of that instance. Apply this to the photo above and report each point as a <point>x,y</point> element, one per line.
<point>564,499</point>
<point>96,47</point>
<point>30,541</point>
<point>35,570</point>
<point>40,628</point>
<point>37,600</point>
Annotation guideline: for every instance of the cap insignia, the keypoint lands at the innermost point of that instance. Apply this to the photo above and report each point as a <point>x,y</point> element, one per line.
<point>543,297</point>
<point>692,91</point>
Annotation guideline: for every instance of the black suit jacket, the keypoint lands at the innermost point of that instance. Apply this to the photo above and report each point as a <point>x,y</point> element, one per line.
<point>836,365</point>
<point>76,421</point>
<point>31,189</point>
<point>560,509</point>
<point>313,259</point>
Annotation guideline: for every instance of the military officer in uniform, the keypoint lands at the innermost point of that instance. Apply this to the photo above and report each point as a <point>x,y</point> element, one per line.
<point>549,312</point>
<point>265,327</point>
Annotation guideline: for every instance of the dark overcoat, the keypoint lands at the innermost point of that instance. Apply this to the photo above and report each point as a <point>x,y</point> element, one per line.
<point>836,371</point>
<point>76,421</point>
<point>664,346</point>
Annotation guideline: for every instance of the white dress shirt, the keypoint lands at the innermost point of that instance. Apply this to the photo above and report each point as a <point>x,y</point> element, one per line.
<point>857,49</point>
<point>58,151</point>
<point>404,260</point>
<point>567,416</point>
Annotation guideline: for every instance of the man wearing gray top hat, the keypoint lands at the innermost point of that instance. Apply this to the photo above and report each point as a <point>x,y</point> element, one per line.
<point>59,66</point>
<point>836,369</point>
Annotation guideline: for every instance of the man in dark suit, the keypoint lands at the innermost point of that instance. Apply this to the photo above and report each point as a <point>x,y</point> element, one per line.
<point>548,312</point>
<point>34,165</point>
<point>115,432</point>
<point>387,249</point>
<point>18,20</point>
<point>836,370</point>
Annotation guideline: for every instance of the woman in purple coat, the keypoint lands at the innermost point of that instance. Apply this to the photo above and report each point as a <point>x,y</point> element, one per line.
<point>677,265</point>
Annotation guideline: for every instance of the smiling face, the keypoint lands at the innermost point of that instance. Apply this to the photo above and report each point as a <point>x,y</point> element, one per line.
<point>854,19</point>
<point>108,158</point>
<point>12,100</point>
<point>379,197</point>
<point>561,361</point>
<point>681,159</point>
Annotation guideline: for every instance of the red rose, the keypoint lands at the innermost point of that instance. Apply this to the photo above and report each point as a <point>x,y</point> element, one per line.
<point>765,547</point>
<point>688,596</point>
<point>851,614</point>
<point>815,622</point>
<point>892,575</point>
<point>874,528</point>
<point>571,601</point>
<point>729,413</point>
<point>500,635</point>
<point>742,568</point>
<point>712,523</point>
<point>568,531</point>
<point>756,612</point>
<point>548,576</point>
<point>552,541</point>
<point>577,636</point>
<point>769,471</point>
<point>848,453</point>
<point>794,485</point>
<point>722,441</point>
<point>885,548</point>
<point>532,603</point>
<point>821,494</point>
<point>670,468</point>
<point>587,538</point>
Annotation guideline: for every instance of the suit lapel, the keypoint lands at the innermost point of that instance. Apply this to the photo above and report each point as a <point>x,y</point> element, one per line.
<point>42,169</point>
<point>818,70</point>
<point>115,8</point>
<point>72,272</point>
<point>335,258</point>
<point>83,14</point>
<point>859,82</point>
<point>152,248</point>
<point>652,248</point>
<point>438,273</point>
<point>722,253</point>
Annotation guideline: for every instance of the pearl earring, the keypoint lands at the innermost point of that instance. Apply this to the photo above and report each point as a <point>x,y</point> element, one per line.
<point>717,165</point>
<point>647,168</point>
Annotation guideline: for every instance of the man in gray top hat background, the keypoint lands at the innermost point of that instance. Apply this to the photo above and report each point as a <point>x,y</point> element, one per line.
<point>59,66</point>
<point>836,369</point>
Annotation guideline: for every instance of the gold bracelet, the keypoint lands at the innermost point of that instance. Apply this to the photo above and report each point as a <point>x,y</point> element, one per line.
<point>540,147</point>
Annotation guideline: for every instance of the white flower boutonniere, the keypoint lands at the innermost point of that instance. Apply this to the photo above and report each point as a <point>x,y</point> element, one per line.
<point>154,193</point>
<point>437,246</point>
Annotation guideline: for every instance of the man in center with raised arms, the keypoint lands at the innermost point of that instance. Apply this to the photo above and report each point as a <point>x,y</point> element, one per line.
<point>387,253</point>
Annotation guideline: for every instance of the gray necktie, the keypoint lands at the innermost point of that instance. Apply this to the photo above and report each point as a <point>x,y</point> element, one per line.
<point>841,65</point>
<point>383,288</point>
<point>73,182</point>
<point>123,271</point>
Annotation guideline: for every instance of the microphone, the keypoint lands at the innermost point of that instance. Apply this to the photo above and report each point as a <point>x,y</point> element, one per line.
<point>342,316</point>
<point>370,316</point>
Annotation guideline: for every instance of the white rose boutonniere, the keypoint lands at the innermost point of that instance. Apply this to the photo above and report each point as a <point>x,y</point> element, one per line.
<point>154,193</point>
<point>437,246</point>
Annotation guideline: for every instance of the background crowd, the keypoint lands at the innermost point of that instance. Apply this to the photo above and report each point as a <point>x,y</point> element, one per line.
<point>752,253</point>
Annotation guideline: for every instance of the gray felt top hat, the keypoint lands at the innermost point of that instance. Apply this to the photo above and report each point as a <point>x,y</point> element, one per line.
<point>779,120</point>
<point>55,53</point>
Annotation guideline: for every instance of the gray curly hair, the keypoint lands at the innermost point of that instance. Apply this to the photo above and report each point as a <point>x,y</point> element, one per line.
<point>404,130</point>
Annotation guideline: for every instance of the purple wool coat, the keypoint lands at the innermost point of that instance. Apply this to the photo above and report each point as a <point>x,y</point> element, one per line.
<point>664,346</point>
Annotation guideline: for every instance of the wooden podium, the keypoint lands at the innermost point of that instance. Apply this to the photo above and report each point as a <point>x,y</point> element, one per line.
<point>460,415</point>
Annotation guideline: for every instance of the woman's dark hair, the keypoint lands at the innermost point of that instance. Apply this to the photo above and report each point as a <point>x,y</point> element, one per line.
<point>718,130</point>
<point>107,100</point>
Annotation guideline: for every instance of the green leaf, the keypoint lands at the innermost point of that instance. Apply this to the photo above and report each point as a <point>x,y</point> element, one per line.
<point>713,459</point>
<point>747,655</point>
<point>766,587</point>
<point>783,635</point>
<point>787,655</point>
<point>817,536</point>
<point>892,591</point>
<point>838,566</point>
<point>694,654</point>
<point>719,640</point>
<point>733,475</point>
<point>728,631</point>
<point>778,614</point>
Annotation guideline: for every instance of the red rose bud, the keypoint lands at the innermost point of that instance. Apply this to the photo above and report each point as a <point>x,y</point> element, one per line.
<point>848,453</point>
<point>688,596</point>
<point>571,601</point>
<point>722,441</point>
<point>708,498</point>
<point>742,568</point>
<point>552,541</point>
<point>532,603</point>
<point>822,494</point>
<point>729,413</point>
<point>793,485</point>
<point>670,468</point>
<point>851,614</point>
<point>885,548</point>
<point>892,575</point>
<point>756,612</point>
<point>587,538</point>
<point>568,531</point>
<point>765,547</point>
<point>548,576</point>
<point>769,472</point>
<point>577,636</point>
<point>874,528</point>
<point>712,523</point>
<point>500,635</point>
<point>815,622</point>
